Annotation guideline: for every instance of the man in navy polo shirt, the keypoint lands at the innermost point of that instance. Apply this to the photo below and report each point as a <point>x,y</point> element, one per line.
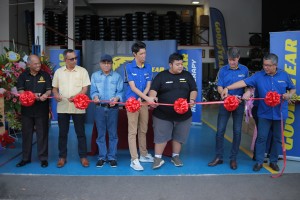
<point>228,74</point>
<point>270,79</point>
<point>139,77</point>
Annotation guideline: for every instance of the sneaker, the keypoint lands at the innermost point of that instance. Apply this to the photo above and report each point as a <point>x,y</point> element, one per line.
<point>177,162</point>
<point>135,164</point>
<point>147,158</point>
<point>100,163</point>
<point>113,163</point>
<point>158,162</point>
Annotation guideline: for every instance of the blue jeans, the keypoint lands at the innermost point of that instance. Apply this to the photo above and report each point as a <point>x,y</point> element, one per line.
<point>264,127</point>
<point>107,120</point>
<point>223,117</point>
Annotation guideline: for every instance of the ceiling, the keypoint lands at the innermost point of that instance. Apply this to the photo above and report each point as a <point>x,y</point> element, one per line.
<point>91,2</point>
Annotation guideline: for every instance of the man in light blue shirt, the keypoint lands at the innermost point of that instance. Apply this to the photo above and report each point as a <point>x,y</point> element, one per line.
<point>106,91</point>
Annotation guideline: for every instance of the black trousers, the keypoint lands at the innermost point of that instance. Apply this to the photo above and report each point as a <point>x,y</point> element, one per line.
<point>42,133</point>
<point>63,124</point>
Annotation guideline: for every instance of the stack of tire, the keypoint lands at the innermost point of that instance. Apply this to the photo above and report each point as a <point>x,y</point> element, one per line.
<point>114,29</point>
<point>186,37</point>
<point>103,29</point>
<point>91,27</point>
<point>137,21</point>
<point>59,23</point>
<point>175,32</point>
<point>126,24</point>
<point>79,28</point>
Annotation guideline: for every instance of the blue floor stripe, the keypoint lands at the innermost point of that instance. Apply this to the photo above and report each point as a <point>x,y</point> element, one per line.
<point>196,153</point>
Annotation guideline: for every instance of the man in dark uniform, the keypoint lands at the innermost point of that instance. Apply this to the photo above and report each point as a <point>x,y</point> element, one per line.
<point>37,115</point>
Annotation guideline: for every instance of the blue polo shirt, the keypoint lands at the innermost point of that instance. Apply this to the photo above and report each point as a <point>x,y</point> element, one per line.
<point>227,76</point>
<point>280,82</point>
<point>140,77</point>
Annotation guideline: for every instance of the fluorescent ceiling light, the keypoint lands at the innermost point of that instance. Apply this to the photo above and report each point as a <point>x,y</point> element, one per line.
<point>195,2</point>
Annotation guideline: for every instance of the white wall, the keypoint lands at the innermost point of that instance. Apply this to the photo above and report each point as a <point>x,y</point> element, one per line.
<point>4,33</point>
<point>17,27</point>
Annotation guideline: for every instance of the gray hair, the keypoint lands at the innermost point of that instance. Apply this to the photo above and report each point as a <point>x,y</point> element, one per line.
<point>271,56</point>
<point>233,52</point>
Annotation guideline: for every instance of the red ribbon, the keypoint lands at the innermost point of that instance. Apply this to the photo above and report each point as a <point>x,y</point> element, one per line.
<point>27,98</point>
<point>132,105</point>
<point>81,101</point>
<point>181,106</point>
<point>272,99</point>
<point>231,103</point>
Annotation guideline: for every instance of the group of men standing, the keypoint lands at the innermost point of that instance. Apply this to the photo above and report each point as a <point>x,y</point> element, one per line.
<point>107,91</point>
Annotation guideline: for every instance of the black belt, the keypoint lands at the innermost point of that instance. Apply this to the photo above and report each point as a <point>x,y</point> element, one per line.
<point>106,105</point>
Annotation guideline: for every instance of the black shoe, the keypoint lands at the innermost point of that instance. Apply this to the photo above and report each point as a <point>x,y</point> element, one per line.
<point>23,163</point>
<point>274,166</point>
<point>233,164</point>
<point>257,167</point>
<point>100,163</point>
<point>113,163</point>
<point>215,162</point>
<point>44,163</point>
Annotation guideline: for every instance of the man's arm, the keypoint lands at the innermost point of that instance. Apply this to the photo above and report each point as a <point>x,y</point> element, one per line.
<point>193,96</point>
<point>236,85</point>
<point>141,94</point>
<point>56,94</point>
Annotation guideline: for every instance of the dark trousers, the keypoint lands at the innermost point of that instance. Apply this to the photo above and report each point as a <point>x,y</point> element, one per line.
<point>63,124</point>
<point>42,130</point>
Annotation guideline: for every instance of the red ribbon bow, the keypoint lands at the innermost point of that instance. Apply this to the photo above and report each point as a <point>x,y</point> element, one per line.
<point>132,105</point>
<point>81,101</point>
<point>181,106</point>
<point>231,103</point>
<point>272,99</point>
<point>27,98</point>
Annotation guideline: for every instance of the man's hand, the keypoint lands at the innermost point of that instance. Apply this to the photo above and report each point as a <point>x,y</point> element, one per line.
<point>246,95</point>
<point>224,93</point>
<point>58,97</point>
<point>44,97</point>
<point>192,103</point>
<point>113,101</point>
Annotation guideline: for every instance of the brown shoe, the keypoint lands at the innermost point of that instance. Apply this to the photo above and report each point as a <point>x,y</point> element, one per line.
<point>233,164</point>
<point>61,162</point>
<point>84,162</point>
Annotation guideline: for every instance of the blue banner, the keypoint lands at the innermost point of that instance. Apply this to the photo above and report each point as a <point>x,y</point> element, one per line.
<point>285,46</point>
<point>57,60</point>
<point>192,60</point>
<point>219,37</point>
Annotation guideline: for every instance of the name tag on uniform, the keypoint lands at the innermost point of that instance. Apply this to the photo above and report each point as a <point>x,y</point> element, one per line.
<point>182,80</point>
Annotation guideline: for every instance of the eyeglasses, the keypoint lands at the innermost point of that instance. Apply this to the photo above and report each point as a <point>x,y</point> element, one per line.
<point>268,65</point>
<point>72,59</point>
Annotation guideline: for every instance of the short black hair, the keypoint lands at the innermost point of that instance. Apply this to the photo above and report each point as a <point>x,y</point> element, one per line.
<point>137,46</point>
<point>67,51</point>
<point>175,56</point>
